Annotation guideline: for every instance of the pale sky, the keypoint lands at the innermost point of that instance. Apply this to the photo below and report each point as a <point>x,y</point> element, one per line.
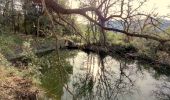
<point>160,5</point>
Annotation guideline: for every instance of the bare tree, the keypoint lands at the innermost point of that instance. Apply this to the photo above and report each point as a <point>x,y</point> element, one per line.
<point>134,23</point>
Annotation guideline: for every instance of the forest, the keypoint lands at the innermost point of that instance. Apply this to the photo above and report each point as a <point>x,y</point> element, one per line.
<point>84,50</point>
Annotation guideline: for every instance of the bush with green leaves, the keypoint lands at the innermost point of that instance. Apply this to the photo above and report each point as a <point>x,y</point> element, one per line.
<point>34,65</point>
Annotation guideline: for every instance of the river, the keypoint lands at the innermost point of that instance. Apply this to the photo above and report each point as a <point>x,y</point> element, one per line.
<point>77,75</point>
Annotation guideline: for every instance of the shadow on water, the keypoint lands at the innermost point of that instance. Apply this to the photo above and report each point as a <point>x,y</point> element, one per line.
<point>77,75</point>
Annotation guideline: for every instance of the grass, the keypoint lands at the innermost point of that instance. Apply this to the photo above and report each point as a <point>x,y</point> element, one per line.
<point>8,42</point>
<point>12,82</point>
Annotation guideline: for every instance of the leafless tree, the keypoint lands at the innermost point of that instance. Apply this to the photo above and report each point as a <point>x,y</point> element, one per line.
<point>134,23</point>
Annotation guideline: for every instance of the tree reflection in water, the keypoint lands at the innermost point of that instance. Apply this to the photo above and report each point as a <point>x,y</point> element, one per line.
<point>55,72</point>
<point>81,76</point>
<point>102,82</point>
<point>163,91</point>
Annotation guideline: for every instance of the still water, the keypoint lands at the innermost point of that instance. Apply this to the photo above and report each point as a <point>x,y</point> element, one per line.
<point>77,75</point>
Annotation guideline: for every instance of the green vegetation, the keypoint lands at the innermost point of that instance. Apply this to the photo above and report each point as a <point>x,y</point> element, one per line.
<point>30,28</point>
<point>14,83</point>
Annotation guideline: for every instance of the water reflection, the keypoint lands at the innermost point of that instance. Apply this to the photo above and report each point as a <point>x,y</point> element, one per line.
<point>163,91</point>
<point>81,76</point>
<point>105,80</point>
<point>55,74</point>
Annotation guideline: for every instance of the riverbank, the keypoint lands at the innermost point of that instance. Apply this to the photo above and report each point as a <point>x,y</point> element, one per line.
<point>14,87</point>
<point>15,84</point>
<point>18,82</point>
<point>124,51</point>
<point>12,48</point>
<point>46,45</point>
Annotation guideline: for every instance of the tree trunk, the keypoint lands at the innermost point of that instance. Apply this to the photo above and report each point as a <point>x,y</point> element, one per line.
<point>102,34</point>
<point>13,16</point>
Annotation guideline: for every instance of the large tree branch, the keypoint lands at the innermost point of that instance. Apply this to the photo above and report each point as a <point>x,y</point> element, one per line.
<point>52,5</point>
<point>127,33</point>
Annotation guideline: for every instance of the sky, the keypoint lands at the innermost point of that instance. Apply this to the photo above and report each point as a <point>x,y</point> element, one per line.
<point>160,6</point>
